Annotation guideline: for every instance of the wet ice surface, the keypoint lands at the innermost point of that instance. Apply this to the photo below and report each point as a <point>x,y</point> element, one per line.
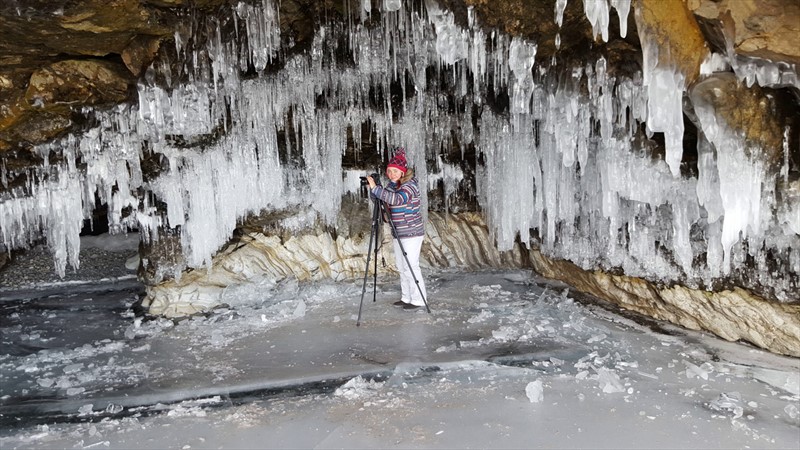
<point>504,360</point>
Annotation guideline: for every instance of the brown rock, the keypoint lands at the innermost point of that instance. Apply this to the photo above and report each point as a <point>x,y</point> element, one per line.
<point>675,30</point>
<point>767,29</point>
<point>140,53</point>
<point>534,21</point>
<point>33,127</point>
<point>746,110</point>
<point>84,82</point>
<point>733,315</point>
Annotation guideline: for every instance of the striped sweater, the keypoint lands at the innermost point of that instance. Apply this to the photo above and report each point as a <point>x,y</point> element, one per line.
<point>404,206</point>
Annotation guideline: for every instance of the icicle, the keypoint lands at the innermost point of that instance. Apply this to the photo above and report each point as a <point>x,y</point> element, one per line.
<point>450,40</point>
<point>785,166</point>
<point>392,5</point>
<point>740,181</point>
<point>522,55</point>
<point>597,13</point>
<point>665,86</point>
<point>708,180</point>
<point>561,5</point>
<point>623,7</point>
<point>714,63</point>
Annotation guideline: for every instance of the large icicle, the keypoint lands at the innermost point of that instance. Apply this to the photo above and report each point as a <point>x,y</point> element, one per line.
<point>665,86</point>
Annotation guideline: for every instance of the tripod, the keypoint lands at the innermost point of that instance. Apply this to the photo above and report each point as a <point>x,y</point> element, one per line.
<point>377,209</point>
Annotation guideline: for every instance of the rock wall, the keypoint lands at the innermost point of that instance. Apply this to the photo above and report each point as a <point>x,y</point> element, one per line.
<point>735,315</point>
<point>453,241</point>
<point>461,241</point>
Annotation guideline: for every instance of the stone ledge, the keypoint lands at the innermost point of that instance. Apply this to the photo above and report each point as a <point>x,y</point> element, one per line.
<point>732,314</point>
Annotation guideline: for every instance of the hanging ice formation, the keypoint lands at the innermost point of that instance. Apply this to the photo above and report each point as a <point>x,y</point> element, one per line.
<point>564,163</point>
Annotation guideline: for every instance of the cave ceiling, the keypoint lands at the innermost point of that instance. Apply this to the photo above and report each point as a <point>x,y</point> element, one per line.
<point>58,57</point>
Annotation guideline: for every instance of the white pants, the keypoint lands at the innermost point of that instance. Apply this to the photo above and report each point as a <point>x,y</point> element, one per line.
<point>410,292</point>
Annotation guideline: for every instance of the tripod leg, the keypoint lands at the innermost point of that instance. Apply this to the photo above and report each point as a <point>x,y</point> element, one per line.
<point>375,274</point>
<point>364,284</point>
<point>377,224</point>
<point>372,239</point>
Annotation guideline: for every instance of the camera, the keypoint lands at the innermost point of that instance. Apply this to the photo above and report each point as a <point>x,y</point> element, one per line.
<point>375,177</point>
<point>365,184</point>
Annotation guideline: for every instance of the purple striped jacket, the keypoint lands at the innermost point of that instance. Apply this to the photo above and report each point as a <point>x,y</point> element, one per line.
<point>404,207</point>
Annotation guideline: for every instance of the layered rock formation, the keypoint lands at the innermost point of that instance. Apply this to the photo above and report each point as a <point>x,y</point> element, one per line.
<point>63,65</point>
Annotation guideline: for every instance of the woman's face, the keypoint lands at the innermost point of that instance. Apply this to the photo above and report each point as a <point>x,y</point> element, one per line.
<point>394,174</point>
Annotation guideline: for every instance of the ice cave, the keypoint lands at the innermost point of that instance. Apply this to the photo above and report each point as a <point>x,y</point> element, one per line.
<point>194,167</point>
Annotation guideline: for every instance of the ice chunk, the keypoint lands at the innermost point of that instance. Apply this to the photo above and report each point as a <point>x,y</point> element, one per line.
<point>792,411</point>
<point>75,391</point>
<point>73,368</point>
<point>535,391</point>
<point>45,382</point>
<point>357,388</point>
<point>608,380</point>
<point>114,408</point>
<point>596,338</point>
<point>692,370</point>
<point>729,402</point>
<point>300,309</point>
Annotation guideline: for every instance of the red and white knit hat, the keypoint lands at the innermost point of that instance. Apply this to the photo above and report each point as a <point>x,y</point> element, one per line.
<point>398,161</point>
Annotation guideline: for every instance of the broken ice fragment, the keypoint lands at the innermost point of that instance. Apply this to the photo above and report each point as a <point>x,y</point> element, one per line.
<point>609,381</point>
<point>300,310</point>
<point>534,391</point>
<point>693,370</point>
<point>728,402</point>
<point>75,391</point>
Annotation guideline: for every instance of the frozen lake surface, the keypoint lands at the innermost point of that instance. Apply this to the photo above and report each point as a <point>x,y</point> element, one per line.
<point>505,360</point>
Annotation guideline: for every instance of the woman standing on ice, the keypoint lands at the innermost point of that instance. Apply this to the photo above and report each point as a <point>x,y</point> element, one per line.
<point>402,199</point>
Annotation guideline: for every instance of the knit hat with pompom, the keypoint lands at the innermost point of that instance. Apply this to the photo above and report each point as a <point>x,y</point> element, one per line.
<point>398,161</point>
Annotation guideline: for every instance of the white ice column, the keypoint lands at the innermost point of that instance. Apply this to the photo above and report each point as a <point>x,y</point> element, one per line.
<point>506,183</point>
<point>665,86</point>
<point>740,180</point>
<point>522,55</point>
<point>665,113</point>
<point>597,13</point>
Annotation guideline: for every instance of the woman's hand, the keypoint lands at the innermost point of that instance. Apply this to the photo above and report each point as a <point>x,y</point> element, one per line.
<point>371,182</point>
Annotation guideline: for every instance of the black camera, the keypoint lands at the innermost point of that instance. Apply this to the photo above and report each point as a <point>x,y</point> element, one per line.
<point>375,177</point>
<point>365,184</point>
